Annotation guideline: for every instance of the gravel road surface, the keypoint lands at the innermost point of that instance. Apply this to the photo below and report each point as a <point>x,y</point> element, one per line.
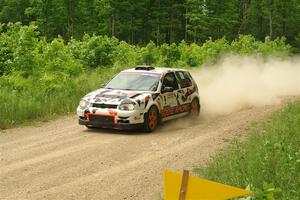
<point>62,160</point>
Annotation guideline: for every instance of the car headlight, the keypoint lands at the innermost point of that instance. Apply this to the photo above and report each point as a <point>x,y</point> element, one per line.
<point>83,103</point>
<point>126,106</point>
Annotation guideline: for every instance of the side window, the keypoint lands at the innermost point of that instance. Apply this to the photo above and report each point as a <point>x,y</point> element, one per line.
<point>170,81</point>
<point>184,79</point>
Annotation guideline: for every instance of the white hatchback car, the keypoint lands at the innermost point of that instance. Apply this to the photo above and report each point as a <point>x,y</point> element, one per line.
<point>141,98</point>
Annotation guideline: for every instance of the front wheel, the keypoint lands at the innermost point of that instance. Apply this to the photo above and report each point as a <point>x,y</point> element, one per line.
<point>195,108</point>
<point>151,119</point>
<point>90,127</point>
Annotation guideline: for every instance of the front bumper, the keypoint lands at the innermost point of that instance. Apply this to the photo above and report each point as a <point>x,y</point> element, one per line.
<point>120,126</point>
<point>111,118</point>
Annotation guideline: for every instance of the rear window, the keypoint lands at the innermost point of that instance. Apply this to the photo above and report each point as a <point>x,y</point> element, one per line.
<point>183,79</point>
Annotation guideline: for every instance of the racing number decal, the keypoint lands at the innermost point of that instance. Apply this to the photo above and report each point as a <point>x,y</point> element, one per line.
<point>170,99</point>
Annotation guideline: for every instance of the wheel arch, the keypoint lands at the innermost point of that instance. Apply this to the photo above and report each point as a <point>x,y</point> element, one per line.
<point>157,108</point>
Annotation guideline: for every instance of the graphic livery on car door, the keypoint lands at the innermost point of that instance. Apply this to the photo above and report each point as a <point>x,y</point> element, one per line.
<point>187,88</point>
<point>169,92</point>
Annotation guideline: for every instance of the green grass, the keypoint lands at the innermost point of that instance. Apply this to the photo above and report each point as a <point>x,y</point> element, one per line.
<point>34,104</point>
<point>268,161</point>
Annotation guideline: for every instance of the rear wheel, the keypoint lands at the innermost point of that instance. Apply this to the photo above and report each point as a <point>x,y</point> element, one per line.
<point>151,119</point>
<point>195,108</point>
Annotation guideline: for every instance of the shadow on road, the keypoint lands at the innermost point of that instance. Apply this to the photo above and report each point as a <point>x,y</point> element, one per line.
<point>172,125</point>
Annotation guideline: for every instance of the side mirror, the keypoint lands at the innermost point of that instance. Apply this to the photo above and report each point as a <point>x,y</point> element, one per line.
<point>167,89</point>
<point>102,85</point>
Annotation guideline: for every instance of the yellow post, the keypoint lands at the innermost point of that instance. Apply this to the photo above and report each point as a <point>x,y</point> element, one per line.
<point>184,183</point>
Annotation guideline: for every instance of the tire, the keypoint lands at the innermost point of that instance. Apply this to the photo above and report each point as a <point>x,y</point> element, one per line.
<point>151,119</point>
<point>90,127</point>
<point>195,108</point>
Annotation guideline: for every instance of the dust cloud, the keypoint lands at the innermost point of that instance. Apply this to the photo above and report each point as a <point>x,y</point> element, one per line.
<point>238,82</point>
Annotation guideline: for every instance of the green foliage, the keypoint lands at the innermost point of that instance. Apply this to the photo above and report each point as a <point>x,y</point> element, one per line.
<point>190,54</point>
<point>212,50</point>
<point>125,55</point>
<point>277,47</point>
<point>27,99</point>
<point>17,49</point>
<point>170,54</point>
<point>247,44</point>
<point>140,21</point>
<point>268,161</point>
<point>149,55</point>
<point>36,76</point>
<point>40,78</point>
<point>98,50</point>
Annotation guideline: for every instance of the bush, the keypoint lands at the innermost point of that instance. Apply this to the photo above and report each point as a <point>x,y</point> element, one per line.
<point>39,79</point>
<point>245,45</point>
<point>170,54</point>
<point>190,54</point>
<point>125,55</point>
<point>276,47</point>
<point>98,50</point>
<point>149,55</point>
<point>17,49</point>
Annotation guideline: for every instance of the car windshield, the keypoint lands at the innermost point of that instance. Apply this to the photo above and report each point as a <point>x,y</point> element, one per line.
<point>134,81</point>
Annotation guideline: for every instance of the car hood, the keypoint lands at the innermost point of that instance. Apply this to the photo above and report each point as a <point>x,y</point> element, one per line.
<point>113,96</point>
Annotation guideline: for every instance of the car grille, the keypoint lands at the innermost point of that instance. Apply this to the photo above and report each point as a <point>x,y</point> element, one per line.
<point>102,105</point>
<point>106,120</point>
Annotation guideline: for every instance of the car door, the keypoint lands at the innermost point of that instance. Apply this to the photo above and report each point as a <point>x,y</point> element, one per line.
<point>186,87</point>
<point>169,96</point>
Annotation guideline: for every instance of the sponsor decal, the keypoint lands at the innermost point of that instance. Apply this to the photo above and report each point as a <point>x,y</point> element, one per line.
<point>167,111</point>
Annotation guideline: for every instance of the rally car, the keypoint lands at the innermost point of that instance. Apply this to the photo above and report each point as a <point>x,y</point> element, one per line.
<point>141,98</point>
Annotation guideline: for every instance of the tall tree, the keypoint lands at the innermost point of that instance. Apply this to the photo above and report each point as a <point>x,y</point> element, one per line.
<point>162,21</point>
<point>13,11</point>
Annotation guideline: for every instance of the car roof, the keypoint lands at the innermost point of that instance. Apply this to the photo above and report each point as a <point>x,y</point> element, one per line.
<point>150,69</point>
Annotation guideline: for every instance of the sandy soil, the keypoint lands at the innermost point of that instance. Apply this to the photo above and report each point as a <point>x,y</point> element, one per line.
<point>62,160</point>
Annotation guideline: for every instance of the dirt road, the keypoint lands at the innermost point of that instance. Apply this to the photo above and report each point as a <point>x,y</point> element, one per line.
<point>62,160</point>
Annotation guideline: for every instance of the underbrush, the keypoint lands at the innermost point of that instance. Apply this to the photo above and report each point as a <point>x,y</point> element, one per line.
<point>268,162</point>
<point>40,78</point>
<point>40,100</point>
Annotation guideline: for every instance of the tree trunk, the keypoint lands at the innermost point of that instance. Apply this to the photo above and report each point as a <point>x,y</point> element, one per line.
<point>70,6</point>
<point>131,31</point>
<point>185,26</point>
<point>260,21</point>
<point>245,9</point>
<point>284,18</point>
<point>112,25</point>
<point>245,6</point>
<point>158,35</point>
<point>271,18</point>
<point>46,19</point>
